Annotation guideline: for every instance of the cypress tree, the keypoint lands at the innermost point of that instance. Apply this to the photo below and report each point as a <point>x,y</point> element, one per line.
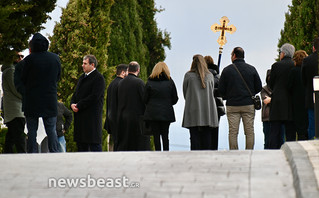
<point>135,35</point>
<point>301,25</point>
<point>20,19</point>
<point>84,29</point>
<point>155,39</point>
<point>126,41</point>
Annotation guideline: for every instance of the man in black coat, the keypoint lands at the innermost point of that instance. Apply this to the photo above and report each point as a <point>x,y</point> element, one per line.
<point>309,69</point>
<point>87,105</point>
<point>40,75</point>
<point>130,108</point>
<point>111,103</point>
<point>281,104</point>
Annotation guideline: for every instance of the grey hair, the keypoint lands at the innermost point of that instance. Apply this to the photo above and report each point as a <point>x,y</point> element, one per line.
<point>91,58</point>
<point>288,50</point>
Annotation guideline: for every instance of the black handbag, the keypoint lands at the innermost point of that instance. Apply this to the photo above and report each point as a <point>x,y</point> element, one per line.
<point>145,126</point>
<point>256,98</point>
<point>220,106</point>
<point>257,102</point>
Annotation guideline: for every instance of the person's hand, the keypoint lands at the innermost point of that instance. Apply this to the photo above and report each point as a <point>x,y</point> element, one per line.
<point>267,100</point>
<point>74,108</point>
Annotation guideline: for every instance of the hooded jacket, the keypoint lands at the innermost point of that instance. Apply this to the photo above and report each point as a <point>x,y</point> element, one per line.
<point>40,75</point>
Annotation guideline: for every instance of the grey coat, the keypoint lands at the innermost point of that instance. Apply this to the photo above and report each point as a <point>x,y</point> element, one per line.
<point>200,107</point>
<point>12,100</point>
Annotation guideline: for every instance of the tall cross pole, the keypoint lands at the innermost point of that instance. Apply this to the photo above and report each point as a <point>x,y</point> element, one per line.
<point>222,38</point>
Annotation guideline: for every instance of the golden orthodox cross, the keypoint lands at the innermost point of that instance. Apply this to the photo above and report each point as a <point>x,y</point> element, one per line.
<point>222,38</point>
<point>222,29</point>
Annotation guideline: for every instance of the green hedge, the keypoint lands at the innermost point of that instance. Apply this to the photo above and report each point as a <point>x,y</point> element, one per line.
<point>3,132</point>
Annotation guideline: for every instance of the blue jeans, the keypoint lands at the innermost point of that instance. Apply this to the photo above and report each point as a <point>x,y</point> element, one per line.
<point>311,124</point>
<point>50,129</point>
<point>62,144</point>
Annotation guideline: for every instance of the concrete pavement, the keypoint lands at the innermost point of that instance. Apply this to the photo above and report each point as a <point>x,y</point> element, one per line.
<point>290,172</point>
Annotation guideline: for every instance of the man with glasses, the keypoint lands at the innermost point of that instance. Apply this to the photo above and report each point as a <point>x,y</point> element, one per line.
<point>281,103</point>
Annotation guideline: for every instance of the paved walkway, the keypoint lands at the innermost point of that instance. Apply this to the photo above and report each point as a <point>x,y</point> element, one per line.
<point>290,172</point>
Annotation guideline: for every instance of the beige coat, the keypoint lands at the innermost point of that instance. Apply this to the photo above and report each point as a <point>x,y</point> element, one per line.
<point>200,107</point>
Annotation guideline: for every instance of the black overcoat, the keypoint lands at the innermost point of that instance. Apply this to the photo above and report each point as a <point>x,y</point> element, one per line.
<point>40,75</point>
<point>281,104</point>
<point>111,108</point>
<point>297,90</point>
<point>160,96</point>
<point>309,69</point>
<point>89,97</point>
<point>130,108</point>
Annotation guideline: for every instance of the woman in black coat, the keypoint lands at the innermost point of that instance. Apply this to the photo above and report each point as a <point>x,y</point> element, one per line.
<point>297,90</point>
<point>160,96</point>
<point>218,99</point>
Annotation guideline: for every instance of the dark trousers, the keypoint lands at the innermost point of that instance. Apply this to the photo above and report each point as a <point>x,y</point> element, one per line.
<point>201,138</point>
<point>266,130</point>
<point>160,129</point>
<point>214,142</point>
<point>215,137</point>
<point>302,132</point>
<point>15,136</point>
<point>85,147</point>
<point>275,135</point>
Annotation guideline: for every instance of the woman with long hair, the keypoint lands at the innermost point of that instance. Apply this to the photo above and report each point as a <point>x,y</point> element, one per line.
<point>297,91</point>
<point>218,99</point>
<point>200,112</point>
<point>160,96</point>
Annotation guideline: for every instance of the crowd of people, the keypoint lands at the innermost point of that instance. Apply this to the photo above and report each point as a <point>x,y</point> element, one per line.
<point>132,107</point>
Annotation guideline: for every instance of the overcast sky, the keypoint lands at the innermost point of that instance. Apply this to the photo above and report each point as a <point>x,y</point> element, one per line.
<point>258,24</point>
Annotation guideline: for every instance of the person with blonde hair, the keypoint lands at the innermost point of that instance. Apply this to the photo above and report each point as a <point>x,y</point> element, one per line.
<point>297,91</point>
<point>160,96</point>
<point>200,112</point>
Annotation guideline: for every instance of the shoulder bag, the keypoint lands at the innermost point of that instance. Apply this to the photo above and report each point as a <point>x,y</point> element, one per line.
<point>256,98</point>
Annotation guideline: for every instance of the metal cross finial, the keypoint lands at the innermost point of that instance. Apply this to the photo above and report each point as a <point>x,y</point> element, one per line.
<point>222,29</point>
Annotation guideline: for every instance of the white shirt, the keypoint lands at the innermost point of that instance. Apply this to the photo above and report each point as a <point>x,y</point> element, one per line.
<point>90,72</point>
